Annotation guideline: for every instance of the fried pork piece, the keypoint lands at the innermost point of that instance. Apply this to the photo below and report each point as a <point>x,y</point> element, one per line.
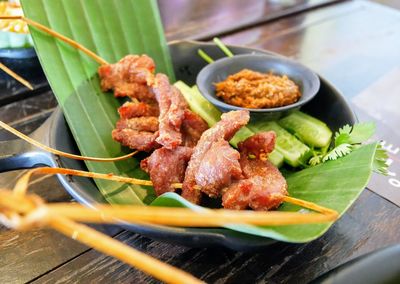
<point>259,145</point>
<point>263,186</point>
<point>144,123</point>
<point>134,139</point>
<point>130,110</point>
<point>192,128</point>
<point>218,168</point>
<point>129,77</point>
<point>166,167</point>
<point>229,124</point>
<point>172,112</point>
<point>138,133</point>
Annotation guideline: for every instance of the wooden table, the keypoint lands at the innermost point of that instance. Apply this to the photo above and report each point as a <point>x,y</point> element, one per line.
<point>351,43</point>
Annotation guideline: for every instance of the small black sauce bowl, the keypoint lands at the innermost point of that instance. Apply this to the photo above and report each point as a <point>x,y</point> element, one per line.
<point>219,70</point>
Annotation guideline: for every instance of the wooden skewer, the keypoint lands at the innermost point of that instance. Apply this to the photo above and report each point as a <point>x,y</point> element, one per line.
<point>289,199</point>
<point>16,76</point>
<point>22,183</point>
<point>182,217</point>
<point>309,205</point>
<point>152,215</point>
<point>110,246</point>
<point>61,153</point>
<point>65,39</point>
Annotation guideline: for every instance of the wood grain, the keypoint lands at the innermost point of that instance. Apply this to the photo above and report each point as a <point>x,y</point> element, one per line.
<point>208,18</point>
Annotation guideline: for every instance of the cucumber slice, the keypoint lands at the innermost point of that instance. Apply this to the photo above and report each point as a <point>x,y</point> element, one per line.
<point>294,152</point>
<point>309,129</point>
<point>276,158</point>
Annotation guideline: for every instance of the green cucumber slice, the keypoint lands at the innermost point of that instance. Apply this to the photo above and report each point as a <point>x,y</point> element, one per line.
<point>276,158</point>
<point>310,130</point>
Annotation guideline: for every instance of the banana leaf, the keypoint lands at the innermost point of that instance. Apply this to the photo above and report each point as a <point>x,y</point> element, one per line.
<point>334,184</point>
<point>111,29</point>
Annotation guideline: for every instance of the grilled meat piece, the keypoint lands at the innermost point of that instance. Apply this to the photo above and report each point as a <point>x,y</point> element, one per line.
<point>135,139</point>
<point>138,133</point>
<point>133,76</point>
<point>229,124</point>
<point>263,186</point>
<point>172,112</point>
<point>129,77</point>
<point>130,110</point>
<point>218,168</point>
<point>192,128</point>
<point>166,167</point>
<point>144,123</point>
<point>259,145</point>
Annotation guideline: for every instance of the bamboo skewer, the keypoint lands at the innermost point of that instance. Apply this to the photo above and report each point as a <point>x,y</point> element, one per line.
<point>274,218</point>
<point>61,153</point>
<point>181,217</point>
<point>173,217</point>
<point>16,76</point>
<point>51,32</point>
<point>110,246</point>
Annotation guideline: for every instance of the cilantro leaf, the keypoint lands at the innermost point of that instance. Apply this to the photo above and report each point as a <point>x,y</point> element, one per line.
<point>338,152</point>
<point>316,160</point>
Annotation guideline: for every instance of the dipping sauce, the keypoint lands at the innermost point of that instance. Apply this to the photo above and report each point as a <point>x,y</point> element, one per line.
<point>251,89</point>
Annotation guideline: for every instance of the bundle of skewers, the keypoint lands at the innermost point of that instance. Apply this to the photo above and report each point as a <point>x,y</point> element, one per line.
<point>185,156</point>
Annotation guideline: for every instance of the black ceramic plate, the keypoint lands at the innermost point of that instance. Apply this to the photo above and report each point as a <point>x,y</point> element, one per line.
<point>327,105</point>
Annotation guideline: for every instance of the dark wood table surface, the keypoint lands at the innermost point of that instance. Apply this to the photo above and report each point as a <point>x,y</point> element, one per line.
<point>351,43</point>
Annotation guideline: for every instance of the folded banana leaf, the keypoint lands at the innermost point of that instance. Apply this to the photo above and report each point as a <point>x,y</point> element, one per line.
<point>111,29</point>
